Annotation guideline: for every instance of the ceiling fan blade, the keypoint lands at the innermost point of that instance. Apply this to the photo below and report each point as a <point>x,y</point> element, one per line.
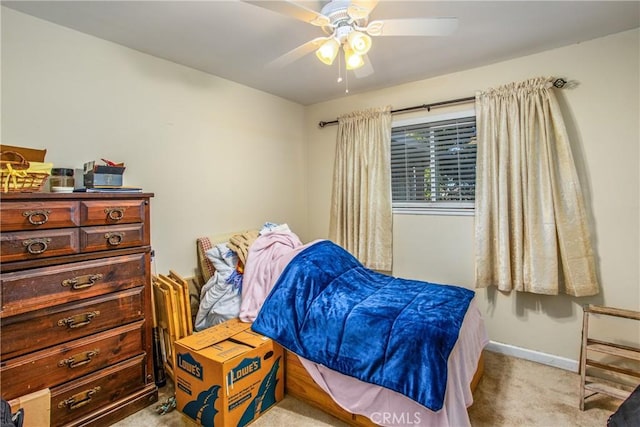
<point>359,9</point>
<point>294,10</point>
<point>365,70</point>
<point>297,53</point>
<point>413,27</point>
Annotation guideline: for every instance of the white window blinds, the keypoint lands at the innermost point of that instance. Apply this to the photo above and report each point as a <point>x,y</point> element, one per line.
<point>433,164</point>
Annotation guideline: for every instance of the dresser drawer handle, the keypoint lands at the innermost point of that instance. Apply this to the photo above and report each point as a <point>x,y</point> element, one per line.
<point>82,282</point>
<point>114,214</point>
<point>78,400</point>
<point>83,319</point>
<point>114,239</point>
<point>38,217</point>
<point>36,246</point>
<point>84,358</point>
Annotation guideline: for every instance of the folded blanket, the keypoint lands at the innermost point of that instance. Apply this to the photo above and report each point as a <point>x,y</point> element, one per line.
<point>240,244</point>
<point>396,333</point>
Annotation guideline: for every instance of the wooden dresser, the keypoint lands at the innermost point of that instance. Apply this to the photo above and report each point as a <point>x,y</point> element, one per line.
<point>76,303</point>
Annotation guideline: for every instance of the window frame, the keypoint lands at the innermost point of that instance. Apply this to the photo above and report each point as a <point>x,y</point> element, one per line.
<point>433,208</point>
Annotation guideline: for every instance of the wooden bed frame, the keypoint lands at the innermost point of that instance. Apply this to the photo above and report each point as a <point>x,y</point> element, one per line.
<point>299,384</point>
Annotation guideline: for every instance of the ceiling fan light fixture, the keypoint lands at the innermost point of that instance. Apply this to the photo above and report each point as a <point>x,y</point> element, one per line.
<point>352,59</point>
<point>328,51</point>
<point>359,42</point>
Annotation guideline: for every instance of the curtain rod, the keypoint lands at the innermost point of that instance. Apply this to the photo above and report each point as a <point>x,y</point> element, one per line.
<point>559,83</point>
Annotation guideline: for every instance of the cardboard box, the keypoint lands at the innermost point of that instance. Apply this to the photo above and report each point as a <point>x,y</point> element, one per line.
<point>102,176</point>
<point>36,407</point>
<point>227,375</point>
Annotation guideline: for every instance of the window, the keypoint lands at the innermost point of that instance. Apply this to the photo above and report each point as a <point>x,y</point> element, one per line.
<point>433,164</point>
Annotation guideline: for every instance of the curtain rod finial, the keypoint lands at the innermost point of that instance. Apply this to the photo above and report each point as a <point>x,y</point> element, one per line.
<point>322,124</point>
<point>559,83</point>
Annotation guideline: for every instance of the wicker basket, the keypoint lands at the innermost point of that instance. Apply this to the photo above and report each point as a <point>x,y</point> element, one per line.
<point>18,175</point>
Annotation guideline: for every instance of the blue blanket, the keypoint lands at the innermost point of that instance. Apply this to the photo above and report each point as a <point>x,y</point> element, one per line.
<point>396,333</point>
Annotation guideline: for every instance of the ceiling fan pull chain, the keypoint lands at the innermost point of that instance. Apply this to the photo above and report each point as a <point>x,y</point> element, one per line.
<point>346,80</point>
<point>339,69</point>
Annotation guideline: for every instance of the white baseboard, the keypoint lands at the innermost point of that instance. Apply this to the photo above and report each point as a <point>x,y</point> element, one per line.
<point>534,356</point>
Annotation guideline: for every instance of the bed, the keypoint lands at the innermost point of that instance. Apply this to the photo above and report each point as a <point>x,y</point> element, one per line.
<point>273,259</point>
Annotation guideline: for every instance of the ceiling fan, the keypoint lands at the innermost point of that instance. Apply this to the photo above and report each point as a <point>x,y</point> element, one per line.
<point>346,25</point>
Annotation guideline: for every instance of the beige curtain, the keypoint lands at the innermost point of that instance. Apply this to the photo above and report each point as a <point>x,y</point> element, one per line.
<point>361,216</point>
<point>531,228</point>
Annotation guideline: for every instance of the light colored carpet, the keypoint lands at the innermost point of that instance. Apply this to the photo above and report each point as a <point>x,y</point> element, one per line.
<point>512,393</point>
<point>519,393</point>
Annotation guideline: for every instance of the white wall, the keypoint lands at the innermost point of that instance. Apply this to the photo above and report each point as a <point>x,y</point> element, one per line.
<point>219,156</point>
<point>602,114</point>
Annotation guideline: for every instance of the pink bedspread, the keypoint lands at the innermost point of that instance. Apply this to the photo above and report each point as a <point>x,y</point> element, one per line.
<point>267,257</point>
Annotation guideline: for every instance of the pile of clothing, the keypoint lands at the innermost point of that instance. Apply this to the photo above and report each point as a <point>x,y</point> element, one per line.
<point>221,296</point>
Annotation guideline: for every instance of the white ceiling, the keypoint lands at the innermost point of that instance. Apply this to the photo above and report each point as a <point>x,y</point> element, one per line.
<point>235,40</point>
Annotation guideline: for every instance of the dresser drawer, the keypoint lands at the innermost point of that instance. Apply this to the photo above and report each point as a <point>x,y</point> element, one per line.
<point>44,328</point>
<point>70,361</point>
<point>27,290</point>
<point>90,393</point>
<point>111,237</point>
<point>109,212</point>
<point>38,215</point>
<point>28,245</point>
